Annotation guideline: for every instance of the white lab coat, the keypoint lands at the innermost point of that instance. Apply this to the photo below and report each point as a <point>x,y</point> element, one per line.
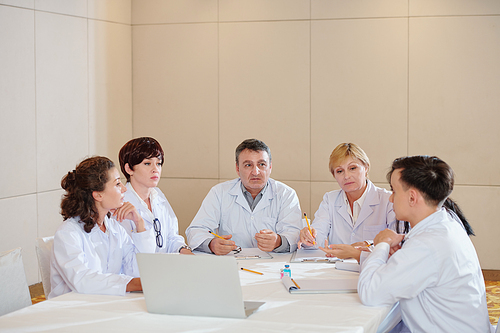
<point>435,276</point>
<point>172,241</point>
<point>226,211</point>
<point>95,262</point>
<point>333,222</point>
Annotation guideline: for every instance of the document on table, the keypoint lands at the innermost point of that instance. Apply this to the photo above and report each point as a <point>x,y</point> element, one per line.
<point>311,255</point>
<point>320,286</point>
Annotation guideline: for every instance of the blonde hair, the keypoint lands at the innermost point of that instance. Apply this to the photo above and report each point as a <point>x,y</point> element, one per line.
<point>344,150</point>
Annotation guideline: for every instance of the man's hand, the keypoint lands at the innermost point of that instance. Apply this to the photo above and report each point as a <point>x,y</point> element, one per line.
<point>267,240</point>
<point>306,238</point>
<point>390,237</point>
<point>341,251</point>
<point>222,246</point>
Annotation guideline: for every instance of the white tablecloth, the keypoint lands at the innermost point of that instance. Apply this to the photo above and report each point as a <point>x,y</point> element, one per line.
<point>282,312</point>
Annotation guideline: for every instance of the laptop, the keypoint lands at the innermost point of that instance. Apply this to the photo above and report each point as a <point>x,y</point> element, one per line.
<point>189,285</point>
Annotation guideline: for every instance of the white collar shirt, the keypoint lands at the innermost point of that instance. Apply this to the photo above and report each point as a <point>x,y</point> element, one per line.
<point>356,206</point>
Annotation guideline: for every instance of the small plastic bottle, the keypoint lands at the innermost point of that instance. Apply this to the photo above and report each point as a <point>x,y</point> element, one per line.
<point>281,273</point>
<point>287,271</point>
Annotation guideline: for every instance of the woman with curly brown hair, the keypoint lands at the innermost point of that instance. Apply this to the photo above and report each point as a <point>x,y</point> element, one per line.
<point>92,253</point>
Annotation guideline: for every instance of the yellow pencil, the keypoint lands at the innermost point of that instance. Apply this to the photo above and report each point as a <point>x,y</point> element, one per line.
<point>249,270</point>
<point>295,283</point>
<point>310,231</point>
<point>213,233</point>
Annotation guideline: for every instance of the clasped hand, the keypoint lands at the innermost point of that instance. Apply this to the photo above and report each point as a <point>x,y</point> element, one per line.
<point>267,240</point>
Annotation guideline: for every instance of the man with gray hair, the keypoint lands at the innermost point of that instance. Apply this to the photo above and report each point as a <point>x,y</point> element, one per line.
<point>250,211</point>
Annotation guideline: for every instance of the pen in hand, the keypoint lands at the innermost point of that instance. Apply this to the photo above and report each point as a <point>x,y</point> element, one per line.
<point>309,226</point>
<point>213,233</point>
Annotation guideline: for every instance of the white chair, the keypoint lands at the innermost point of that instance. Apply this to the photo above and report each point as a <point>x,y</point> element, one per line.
<point>43,249</point>
<point>14,290</point>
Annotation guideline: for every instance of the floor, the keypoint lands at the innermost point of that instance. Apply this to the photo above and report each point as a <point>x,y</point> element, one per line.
<point>492,297</point>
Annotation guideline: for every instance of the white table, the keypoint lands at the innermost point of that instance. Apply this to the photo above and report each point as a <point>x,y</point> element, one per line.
<point>282,312</point>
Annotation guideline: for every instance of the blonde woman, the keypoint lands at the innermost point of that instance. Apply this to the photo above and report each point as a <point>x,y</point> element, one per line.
<point>352,216</point>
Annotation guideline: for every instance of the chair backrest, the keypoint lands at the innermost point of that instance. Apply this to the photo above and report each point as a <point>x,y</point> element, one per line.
<point>44,252</point>
<point>14,290</point>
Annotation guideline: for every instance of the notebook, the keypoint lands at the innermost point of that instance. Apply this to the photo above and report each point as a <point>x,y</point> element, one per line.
<point>189,285</point>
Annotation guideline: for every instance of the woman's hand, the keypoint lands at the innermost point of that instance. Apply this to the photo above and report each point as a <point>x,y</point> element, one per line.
<point>341,251</point>
<point>128,212</point>
<point>306,238</point>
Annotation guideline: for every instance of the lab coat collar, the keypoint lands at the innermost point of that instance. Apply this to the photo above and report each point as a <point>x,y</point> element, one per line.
<point>371,200</point>
<point>437,217</point>
<point>263,203</point>
<point>108,221</point>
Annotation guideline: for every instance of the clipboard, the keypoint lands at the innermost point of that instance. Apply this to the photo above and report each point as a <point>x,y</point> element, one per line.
<point>250,253</point>
<point>311,256</point>
<point>320,286</point>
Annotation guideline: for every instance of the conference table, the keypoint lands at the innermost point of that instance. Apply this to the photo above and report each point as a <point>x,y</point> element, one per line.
<point>282,311</point>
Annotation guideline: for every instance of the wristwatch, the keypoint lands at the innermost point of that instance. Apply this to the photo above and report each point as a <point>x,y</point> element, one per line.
<point>185,247</point>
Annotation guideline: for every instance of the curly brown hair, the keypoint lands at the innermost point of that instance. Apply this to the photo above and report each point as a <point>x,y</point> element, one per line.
<point>89,176</point>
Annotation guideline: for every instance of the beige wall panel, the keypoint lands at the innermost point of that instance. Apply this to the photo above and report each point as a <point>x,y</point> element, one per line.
<point>454,94</point>
<point>303,190</point>
<point>324,9</point>
<point>175,95</point>
<point>264,93</point>
<point>111,10</point>
<point>185,196</point>
<point>318,190</point>
<point>67,7</point>
<point>173,11</point>
<point>110,87</point>
<point>19,3</point>
<point>61,96</point>
<point>387,186</point>
<point>20,226</point>
<point>49,212</point>
<point>263,10</point>
<point>480,206</point>
<point>453,7</point>
<point>359,91</point>
<point>17,102</point>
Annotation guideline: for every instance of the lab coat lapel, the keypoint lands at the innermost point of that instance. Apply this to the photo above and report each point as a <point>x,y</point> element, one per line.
<point>342,208</point>
<point>371,201</point>
<point>266,198</point>
<point>240,197</point>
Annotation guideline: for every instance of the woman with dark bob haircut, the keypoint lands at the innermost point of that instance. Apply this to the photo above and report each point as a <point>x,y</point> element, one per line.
<point>92,252</point>
<point>141,161</point>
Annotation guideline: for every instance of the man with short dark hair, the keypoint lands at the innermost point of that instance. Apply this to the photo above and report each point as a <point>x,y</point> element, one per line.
<point>250,211</point>
<point>435,275</point>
